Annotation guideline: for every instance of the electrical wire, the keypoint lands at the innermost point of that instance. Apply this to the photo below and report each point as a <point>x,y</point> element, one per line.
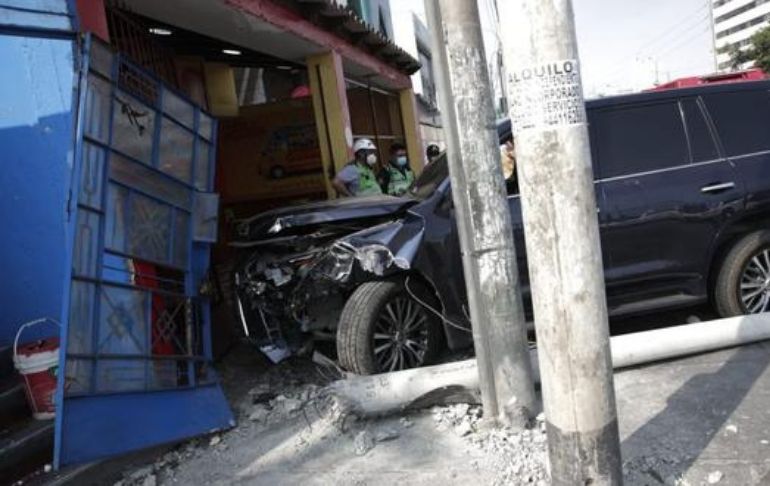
<point>439,314</point>
<point>676,43</point>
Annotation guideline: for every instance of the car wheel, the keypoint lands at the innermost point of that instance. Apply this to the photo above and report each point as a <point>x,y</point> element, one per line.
<point>743,283</point>
<point>382,328</point>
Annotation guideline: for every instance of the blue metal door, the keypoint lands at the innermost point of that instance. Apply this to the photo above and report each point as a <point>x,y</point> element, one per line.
<point>136,352</point>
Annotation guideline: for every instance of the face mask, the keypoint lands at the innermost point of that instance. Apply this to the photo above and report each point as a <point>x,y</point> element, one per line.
<point>371,159</point>
<point>401,160</point>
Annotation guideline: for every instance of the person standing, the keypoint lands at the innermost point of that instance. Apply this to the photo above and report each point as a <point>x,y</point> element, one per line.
<point>432,152</point>
<point>398,174</point>
<point>359,176</point>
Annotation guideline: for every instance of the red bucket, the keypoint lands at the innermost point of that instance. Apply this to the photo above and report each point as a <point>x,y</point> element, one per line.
<point>37,362</point>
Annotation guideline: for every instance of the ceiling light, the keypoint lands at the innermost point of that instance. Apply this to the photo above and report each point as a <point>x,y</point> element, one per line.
<point>159,31</point>
<point>232,52</point>
<point>284,68</point>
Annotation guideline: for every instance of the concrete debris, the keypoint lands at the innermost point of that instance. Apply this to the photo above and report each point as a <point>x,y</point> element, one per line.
<point>140,473</point>
<point>261,393</point>
<point>363,442</point>
<point>516,456</point>
<point>215,440</point>
<point>714,477</point>
<point>463,429</point>
<point>676,480</point>
<point>732,429</point>
<point>386,434</point>
<point>150,480</point>
<point>259,413</point>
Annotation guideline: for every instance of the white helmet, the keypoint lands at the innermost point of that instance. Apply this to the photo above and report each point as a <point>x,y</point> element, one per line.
<point>363,144</point>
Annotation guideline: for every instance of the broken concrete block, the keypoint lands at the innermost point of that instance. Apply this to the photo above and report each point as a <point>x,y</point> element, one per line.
<point>291,405</point>
<point>215,440</point>
<point>259,413</point>
<point>463,428</point>
<point>714,477</point>
<point>363,442</point>
<point>386,434</point>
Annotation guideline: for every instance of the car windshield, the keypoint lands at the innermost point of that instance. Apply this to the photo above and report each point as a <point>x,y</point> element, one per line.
<point>431,176</point>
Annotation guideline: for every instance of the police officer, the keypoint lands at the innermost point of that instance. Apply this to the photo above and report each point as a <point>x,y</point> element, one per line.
<point>398,175</point>
<point>359,176</point>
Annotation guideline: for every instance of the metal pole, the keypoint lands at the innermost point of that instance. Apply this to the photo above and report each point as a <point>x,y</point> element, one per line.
<point>562,240</point>
<point>712,21</point>
<point>482,215</point>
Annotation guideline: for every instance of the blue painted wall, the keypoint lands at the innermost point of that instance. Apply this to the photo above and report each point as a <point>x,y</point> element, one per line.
<point>51,15</point>
<point>37,86</point>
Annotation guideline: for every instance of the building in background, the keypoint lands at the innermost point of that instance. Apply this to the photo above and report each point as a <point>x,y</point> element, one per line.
<point>735,21</point>
<point>376,13</point>
<point>410,33</point>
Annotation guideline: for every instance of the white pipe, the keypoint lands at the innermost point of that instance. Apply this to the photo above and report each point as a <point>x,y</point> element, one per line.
<point>671,342</point>
<point>392,392</point>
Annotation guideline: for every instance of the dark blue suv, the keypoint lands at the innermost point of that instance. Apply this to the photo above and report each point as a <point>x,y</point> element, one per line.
<point>682,182</point>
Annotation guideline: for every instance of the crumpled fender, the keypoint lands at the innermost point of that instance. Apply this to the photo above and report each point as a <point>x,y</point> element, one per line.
<point>381,250</point>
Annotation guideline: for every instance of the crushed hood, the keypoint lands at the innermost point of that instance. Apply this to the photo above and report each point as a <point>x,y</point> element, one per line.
<point>294,219</point>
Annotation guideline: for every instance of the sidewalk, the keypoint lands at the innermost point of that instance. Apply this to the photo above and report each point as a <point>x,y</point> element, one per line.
<point>700,420</point>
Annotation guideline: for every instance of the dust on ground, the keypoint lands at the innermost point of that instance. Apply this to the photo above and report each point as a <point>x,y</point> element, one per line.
<point>290,432</point>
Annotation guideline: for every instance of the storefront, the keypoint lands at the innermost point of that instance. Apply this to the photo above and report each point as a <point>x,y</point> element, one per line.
<point>184,117</point>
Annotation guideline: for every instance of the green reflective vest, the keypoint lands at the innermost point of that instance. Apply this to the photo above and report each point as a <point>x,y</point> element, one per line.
<point>399,181</point>
<point>367,182</point>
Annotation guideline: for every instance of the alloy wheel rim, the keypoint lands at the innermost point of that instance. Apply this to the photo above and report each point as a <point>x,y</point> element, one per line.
<point>754,287</point>
<point>400,335</point>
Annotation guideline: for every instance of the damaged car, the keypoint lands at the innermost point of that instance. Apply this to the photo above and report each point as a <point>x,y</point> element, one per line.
<point>353,269</point>
<point>683,203</point>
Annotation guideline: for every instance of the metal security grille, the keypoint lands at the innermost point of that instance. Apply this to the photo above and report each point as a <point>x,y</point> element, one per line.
<point>133,39</point>
<point>135,321</point>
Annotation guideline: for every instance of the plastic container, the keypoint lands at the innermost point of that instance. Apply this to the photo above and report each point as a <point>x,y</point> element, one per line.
<point>37,362</point>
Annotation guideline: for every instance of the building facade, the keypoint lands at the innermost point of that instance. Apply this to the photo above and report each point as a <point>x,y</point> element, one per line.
<point>410,33</point>
<point>735,21</point>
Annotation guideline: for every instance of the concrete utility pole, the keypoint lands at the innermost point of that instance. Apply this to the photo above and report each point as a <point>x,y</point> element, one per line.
<point>481,210</point>
<point>562,237</point>
<point>712,21</point>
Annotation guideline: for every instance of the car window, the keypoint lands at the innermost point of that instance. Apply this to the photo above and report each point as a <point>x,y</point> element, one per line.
<point>742,120</point>
<point>636,139</point>
<point>702,146</point>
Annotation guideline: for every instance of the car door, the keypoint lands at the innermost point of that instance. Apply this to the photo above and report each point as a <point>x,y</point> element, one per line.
<point>514,206</point>
<point>742,121</point>
<point>666,192</point>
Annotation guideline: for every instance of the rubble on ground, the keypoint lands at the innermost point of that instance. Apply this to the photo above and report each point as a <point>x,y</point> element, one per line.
<point>291,396</point>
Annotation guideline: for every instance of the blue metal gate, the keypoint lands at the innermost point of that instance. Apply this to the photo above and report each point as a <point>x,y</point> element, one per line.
<point>135,342</point>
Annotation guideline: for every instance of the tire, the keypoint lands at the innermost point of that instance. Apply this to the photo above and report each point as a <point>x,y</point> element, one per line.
<point>371,308</point>
<point>743,282</point>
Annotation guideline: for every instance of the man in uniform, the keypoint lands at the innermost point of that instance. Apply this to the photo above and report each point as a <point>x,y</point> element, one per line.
<point>398,175</point>
<point>359,177</point>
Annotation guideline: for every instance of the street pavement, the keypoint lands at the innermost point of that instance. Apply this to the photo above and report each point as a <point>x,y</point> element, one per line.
<point>703,417</point>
